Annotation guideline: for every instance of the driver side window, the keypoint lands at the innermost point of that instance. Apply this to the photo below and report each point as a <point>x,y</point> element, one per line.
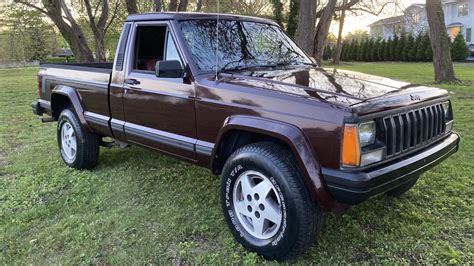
<point>153,44</point>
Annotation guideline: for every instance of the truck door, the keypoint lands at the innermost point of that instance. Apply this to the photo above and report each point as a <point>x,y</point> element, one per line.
<point>159,112</point>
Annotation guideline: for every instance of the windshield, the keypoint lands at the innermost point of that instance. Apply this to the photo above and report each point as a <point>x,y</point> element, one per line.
<point>242,44</point>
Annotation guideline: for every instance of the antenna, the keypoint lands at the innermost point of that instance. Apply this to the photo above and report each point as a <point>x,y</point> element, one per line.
<point>217,39</point>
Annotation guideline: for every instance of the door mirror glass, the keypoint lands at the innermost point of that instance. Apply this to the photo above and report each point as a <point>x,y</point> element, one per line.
<point>168,69</point>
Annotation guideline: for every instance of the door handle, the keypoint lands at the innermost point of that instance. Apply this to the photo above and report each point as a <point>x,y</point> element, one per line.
<point>132,82</point>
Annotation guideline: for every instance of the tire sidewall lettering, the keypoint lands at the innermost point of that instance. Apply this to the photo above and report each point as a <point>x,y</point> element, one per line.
<point>232,176</point>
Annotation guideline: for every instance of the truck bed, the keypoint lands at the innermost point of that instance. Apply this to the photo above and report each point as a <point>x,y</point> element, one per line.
<point>95,67</point>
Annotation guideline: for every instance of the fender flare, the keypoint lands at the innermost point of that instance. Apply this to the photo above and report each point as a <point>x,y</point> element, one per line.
<point>75,100</point>
<point>295,139</point>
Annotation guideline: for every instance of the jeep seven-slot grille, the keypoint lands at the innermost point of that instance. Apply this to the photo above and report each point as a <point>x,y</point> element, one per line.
<point>412,129</point>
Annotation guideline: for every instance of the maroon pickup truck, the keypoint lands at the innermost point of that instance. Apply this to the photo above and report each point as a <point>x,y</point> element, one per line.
<point>289,139</point>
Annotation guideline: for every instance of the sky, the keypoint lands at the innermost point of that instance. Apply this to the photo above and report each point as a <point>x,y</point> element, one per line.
<point>361,22</point>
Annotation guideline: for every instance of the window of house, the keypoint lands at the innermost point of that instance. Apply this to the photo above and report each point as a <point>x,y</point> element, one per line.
<point>469,35</point>
<point>153,44</point>
<point>463,9</point>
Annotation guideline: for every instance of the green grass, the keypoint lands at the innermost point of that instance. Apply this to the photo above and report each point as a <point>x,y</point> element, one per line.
<point>141,207</point>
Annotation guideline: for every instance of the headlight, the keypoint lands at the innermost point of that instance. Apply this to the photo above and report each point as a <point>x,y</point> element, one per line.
<point>355,137</point>
<point>367,133</point>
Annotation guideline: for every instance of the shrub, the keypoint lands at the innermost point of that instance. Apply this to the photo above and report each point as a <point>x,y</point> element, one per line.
<point>459,48</point>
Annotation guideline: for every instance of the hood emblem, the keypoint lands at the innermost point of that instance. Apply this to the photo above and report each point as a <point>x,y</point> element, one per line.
<point>415,97</point>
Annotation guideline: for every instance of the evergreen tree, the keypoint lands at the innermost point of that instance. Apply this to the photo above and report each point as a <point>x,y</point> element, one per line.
<point>386,50</point>
<point>393,48</point>
<point>360,51</point>
<point>410,48</point>
<point>381,49</point>
<point>368,51</point>
<point>292,18</point>
<point>401,47</point>
<point>374,55</point>
<point>354,48</point>
<point>344,51</point>
<point>421,49</point>
<point>420,46</point>
<point>459,48</point>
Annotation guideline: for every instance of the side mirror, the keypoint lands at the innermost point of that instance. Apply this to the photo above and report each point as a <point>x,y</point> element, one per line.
<point>169,69</point>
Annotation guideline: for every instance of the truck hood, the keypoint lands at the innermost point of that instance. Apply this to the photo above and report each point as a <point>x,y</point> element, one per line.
<point>340,87</point>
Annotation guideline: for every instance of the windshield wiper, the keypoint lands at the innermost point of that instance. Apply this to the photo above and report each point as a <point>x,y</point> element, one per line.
<point>280,64</point>
<point>238,68</point>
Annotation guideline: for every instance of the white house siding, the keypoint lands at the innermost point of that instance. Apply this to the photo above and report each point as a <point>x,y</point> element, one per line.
<point>384,28</point>
<point>455,23</point>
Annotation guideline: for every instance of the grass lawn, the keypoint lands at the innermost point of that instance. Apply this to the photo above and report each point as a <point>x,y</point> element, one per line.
<point>140,207</point>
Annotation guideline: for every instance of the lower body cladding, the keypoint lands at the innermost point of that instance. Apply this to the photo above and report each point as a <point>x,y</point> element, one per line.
<point>354,187</point>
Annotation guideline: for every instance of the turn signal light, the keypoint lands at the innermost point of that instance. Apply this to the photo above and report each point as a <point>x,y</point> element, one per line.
<point>350,146</point>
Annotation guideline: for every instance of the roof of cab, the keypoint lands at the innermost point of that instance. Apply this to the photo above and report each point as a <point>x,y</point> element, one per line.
<point>193,15</point>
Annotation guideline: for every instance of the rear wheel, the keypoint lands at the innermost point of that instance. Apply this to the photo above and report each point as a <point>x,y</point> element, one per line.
<point>78,148</point>
<point>398,191</point>
<point>266,203</point>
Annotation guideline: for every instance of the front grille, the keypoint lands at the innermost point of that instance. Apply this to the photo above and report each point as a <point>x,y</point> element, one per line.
<point>415,128</point>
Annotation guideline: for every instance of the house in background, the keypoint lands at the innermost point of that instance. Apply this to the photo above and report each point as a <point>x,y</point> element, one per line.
<point>413,20</point>
<point>458,15</point>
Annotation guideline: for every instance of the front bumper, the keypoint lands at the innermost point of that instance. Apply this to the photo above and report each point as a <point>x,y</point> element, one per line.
<point>355,187</point>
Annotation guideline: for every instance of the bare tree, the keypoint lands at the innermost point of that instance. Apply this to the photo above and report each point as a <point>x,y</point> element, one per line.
<point>322,30</point>
<point>374,7</point>
<point>173,6</point>
<point>198,5</point>
<point>98,28</point>
<point>306,21</point>
<point>183,5</point>
<point>443,65</point>
<point>98,18</point>
<point>337,53</point>
<point>69,28</point>
<point>131,6</point>
<point>158,5</point>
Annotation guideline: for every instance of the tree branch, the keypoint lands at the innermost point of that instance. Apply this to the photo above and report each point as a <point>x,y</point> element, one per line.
<point>31,5</point>
<point>114,15</point>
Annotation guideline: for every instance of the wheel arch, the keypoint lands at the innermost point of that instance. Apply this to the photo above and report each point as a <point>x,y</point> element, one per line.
<point>63,97</point>
<point>238,130</point>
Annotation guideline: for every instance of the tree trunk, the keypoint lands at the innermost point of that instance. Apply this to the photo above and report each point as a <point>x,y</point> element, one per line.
<point>131,6</point>
<point>306,22</point>
<point>183,5</point>
<point>322,31</point>
<point>198,5</point>
<point>158,5</point>
<point>173,6</point>
<point>440,43</point>
<point>70,30</point>
<point>337,54</point>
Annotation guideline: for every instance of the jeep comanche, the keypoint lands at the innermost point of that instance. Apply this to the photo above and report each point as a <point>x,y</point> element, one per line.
<point>289,139</point>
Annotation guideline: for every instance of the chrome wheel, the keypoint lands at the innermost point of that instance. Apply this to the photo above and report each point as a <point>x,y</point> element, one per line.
<point>257,205</point>
<point>68,141</point>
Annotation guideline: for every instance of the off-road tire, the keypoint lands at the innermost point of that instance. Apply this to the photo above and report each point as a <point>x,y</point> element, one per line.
<point>87,153</point>
<point>302,216</point>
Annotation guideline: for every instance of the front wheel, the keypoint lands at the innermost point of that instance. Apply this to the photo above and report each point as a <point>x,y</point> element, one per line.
<point>266,204</point>
<point>78,148</point>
